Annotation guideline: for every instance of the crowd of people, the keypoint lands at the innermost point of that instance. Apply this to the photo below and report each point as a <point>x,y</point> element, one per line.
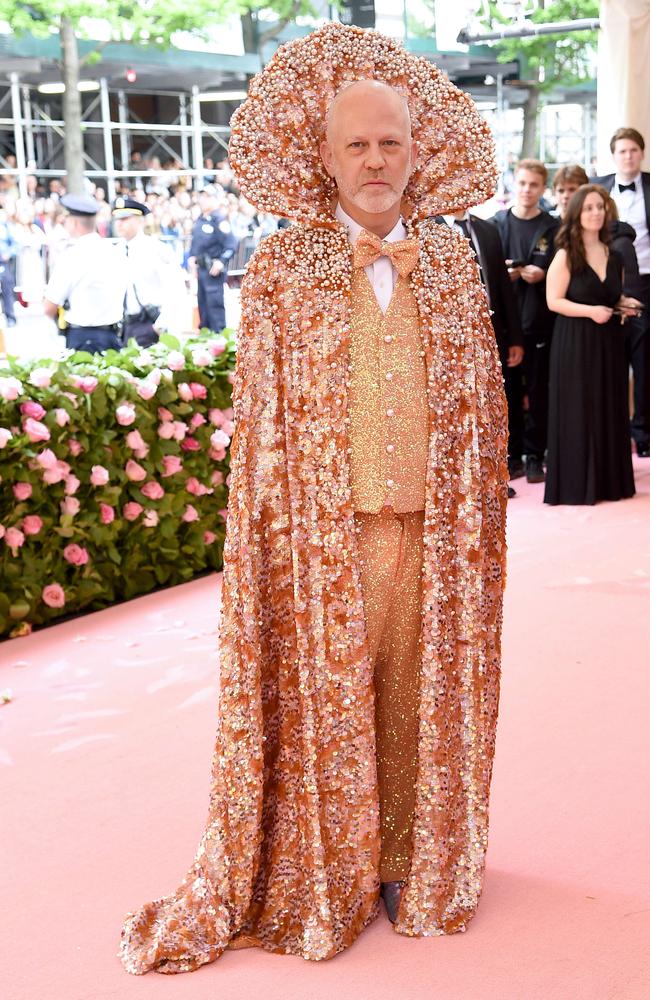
<point>566,271</point>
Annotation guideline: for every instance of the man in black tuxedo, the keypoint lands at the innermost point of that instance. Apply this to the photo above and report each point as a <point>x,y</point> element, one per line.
<point>486,243</point>
<point>630,189</point>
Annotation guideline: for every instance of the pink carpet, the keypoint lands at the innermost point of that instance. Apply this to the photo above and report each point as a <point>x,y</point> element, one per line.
<point>105,754</point>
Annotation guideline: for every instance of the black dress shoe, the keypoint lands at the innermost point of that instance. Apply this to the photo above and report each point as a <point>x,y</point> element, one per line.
<point>643,450</point>
<point>515,468</point>
<point>512,493</point>
<point>534,470</point>
<point>391,894</point>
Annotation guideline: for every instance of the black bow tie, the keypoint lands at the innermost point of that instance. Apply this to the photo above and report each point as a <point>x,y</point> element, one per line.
<point>627,187</point>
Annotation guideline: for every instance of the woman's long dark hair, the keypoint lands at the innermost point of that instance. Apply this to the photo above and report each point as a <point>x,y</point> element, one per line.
<point>569,237</point>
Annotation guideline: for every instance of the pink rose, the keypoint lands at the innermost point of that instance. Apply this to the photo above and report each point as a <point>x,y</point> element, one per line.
<point>216,417</point>
<point>229,413</point>
<point>5,436</point>
<point>41,378</point>
<point>10,388</point>
<point>132,510</point>
<point>217,454</point>
<point>14,538</point>
<point>75,554</point>
<point>2,531</point>
<point>184,391</point>
<point>228,427</point>
<point>231,378</point>
<point>201,356</point>
<point>152,490</point>
<point>217,478</point>
<point>217,346</point>
<point>136,442</point>
<point>228,480</point>
<point>106,513</point>
<point>135,472</point>
<point>125,414</point>
<point>171,465</point>
<point>32,524</point>
<point>197,421</point>
<point>61,416</point>
<point>190,513</point>
<point>72,484</point>
<point>190,444</point>
<point>223,513</point>
<point>150,519</point>
<point>166,431</point>
<point>35,430</point>
<point>53,595</point>
<point>22,491</point>
<point>74,447</point>
<point>209,537</point>
<point>56,474</point>
<point>154,376</point>
<point>218,439</point>
<point>146,390</point>
<point>196,488</point>
<point>175,361</point>
<point>47,459</point>
<point>32,409</point>
<point>70,506</point>
<point>199,391</point>
<point>87,383</point>
<point>99,475</point>
<point>180,430</point>
<point>164,413</point>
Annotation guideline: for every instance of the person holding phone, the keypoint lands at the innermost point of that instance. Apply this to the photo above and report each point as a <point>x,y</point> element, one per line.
<point>589,452</point>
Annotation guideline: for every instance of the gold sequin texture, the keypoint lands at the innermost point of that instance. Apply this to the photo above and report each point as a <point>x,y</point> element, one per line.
<point>290,856</point>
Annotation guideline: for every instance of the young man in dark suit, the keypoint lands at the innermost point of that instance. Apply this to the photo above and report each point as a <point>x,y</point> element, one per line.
<point>630,189</point>
<point>486,243</point>
<point>527,234</point>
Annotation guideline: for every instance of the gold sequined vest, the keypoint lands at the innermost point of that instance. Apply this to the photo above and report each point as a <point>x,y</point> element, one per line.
<point>389,414</point>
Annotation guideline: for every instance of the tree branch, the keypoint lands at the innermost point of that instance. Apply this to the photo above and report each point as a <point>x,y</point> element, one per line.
<point>271,33</point>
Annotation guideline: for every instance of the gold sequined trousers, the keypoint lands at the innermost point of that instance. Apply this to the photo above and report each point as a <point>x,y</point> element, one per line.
<point>390,560</point>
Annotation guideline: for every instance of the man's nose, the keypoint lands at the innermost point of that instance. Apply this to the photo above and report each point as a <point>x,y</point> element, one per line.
<point>374,158</point>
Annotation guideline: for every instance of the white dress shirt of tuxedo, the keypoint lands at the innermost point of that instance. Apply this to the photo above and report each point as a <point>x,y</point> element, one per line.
<point>381,275</point>
<point>631,209</point>
<point>155,279</point>
<point>90,274</point>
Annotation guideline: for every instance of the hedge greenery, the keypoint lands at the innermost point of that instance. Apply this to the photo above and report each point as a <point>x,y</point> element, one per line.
<point>114,474</point>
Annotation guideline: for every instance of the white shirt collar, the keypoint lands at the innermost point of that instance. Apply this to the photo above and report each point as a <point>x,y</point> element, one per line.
<point>635,180</point>
<point>398,232</point>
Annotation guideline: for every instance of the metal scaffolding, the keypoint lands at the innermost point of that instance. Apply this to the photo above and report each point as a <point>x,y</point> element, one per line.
<point>109,128</point>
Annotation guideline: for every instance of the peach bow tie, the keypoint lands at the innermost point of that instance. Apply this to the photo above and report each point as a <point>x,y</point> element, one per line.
<point>403,253</point>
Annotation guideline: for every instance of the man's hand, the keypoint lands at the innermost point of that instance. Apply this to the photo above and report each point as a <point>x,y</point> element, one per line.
<point>531,274</point>
<point>191,264</point>
<point>50,309</point>
<point>215,269</point>
<point>515,356</point>
<point>514,273</point>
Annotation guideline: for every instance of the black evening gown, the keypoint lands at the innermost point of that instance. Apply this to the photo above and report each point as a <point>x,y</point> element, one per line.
<point>589,452</point>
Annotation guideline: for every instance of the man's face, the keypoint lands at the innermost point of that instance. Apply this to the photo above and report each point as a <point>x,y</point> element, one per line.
<point>628,157</point>
<point>529,188</point>
<point>563,194</point>
<point>207,203</point>
<point>368,150</point>
<point>128,227</point>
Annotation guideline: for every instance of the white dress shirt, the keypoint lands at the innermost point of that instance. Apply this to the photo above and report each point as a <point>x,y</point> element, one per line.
<point>155,279</point>
<point>381,275</point>
<point>631,209</point>
<point>90,274</point>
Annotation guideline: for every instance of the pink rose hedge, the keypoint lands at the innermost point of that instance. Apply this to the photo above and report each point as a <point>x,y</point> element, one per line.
<point>114,472</point>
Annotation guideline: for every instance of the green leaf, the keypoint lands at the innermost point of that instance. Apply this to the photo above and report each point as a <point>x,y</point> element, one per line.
<point>168,340</point>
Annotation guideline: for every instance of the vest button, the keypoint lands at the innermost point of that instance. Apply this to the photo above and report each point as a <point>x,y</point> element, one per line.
<point>388,339</point>
<point>389,376</point>
<point>390,412</point>
<point>390,448</point>
<point>390,482</point>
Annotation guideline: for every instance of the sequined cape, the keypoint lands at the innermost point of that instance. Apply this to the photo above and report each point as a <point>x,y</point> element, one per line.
<point>289,857</point>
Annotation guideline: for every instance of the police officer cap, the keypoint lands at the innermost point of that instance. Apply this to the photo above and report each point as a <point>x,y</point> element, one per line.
<point>124,207</point>
<point>80,204</point>
<point>212,189</point>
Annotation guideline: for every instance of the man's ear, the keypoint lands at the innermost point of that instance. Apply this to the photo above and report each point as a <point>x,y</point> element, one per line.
<point>326,157</point>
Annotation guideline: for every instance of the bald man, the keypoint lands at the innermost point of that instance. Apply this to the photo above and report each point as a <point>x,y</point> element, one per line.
<point>359,642</point>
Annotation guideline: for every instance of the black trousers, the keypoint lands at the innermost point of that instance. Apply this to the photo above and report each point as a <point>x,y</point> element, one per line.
<point>94,339</point>
<point>527,393</point>
<point>637,343</point>
<point>212,313</point>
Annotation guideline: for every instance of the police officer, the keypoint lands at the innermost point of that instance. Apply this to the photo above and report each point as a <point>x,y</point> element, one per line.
<point>156,298</point>
<point>88,281</point>
<point>213,245</point>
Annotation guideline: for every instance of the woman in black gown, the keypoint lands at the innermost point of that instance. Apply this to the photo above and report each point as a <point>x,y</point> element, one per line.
<point>589,451</point>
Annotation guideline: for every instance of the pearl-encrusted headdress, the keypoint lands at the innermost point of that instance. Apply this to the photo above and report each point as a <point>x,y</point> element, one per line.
<point>276,132</point>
